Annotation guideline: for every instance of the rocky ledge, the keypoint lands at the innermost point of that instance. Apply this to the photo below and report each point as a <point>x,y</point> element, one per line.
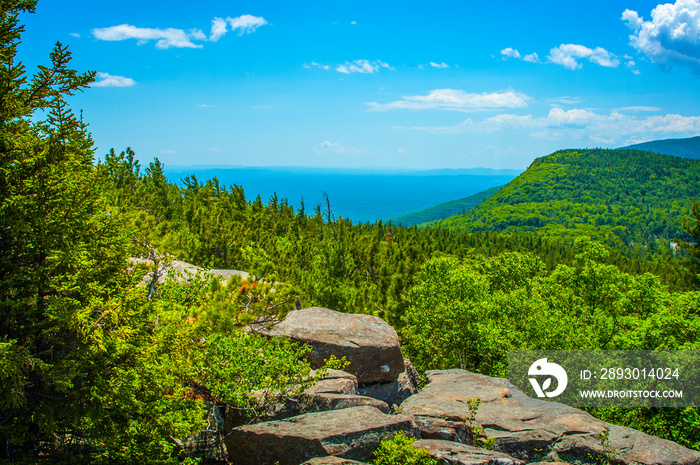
<point>342,419</point>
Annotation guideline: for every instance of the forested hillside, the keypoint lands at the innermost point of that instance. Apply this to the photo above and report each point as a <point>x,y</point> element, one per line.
<point>620,197</point>
<point>684,148</point>
<point>444,210</point>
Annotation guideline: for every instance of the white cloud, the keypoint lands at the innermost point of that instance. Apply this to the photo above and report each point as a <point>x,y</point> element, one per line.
<point>632,66</point>
<point>633,19</point>
<point>510,53</point>
<point>531,58</point>
<point>639,108</point>
<point>179,38</point>
<point>457,100</point>
<point>565,100</point>
<point>218,29</point>
<point>197,34</point>
<point>610,129</point>
<point>74,34</point>
<point>339,148</point>
<point>441,65</point>
<point>671,36</point>
<point>353,23</point>
<point>362,66</point>
<point>246,24</point>
<point>567,55</point>
<point>313,64</point>
<point>107,80</point>
<point>165,38</point>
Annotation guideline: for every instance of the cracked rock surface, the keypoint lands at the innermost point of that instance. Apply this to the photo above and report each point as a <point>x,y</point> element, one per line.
<point>532,429</point>
<point>352,433</point>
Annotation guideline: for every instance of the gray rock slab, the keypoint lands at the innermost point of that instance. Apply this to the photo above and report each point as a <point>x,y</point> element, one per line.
<point>332,460</point>
<point>454,453</point>
<point>367,342</point>
<point>532,429</point>
<point>352,433</point>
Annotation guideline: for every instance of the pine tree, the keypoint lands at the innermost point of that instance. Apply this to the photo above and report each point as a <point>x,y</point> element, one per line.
<point>82,365</point>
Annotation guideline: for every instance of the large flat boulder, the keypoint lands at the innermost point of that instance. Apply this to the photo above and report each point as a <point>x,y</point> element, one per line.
<point>336,382</point>
<point>367,342</point>
<point>535,430</point>
<point>332,460</point>
<point>454,453</point>
<point>352,433</point>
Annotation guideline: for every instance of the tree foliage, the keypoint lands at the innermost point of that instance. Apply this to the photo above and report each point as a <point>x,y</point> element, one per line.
<point>619,197</point>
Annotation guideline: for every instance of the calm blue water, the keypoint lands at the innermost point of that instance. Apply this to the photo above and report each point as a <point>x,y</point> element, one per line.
<point>358,195</point>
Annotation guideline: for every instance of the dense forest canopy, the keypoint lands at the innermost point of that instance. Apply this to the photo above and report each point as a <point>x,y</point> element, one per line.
<point>685,148</point>
<point>102,363</point>
<point>617,196</point>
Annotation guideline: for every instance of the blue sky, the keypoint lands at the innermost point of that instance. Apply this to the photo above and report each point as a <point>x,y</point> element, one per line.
<point>400,84</point>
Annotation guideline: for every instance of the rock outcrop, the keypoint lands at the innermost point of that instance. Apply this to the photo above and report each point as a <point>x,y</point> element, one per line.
<point>367,342</point>
<point>531,429</point>
<point>396,391</point>
<point>352,433</point>
<point>331,460</point>
<point>342,418</point>
<point>454,453</point>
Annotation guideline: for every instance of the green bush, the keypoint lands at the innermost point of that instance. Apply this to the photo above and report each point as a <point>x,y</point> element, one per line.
<point>399,451</point>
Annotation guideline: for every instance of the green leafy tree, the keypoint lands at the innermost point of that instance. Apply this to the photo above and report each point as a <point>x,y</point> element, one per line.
<point>692,248</point>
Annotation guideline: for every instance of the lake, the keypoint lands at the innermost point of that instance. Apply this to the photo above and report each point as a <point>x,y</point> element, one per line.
<point>360,195</point>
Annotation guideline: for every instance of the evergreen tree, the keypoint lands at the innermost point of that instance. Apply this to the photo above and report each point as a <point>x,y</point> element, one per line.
<point>83,367</point>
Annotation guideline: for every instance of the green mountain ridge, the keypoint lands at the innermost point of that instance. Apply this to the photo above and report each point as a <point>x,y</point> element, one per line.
<point>684,148</point>
<point>444,210</point>
<point>617,196</point>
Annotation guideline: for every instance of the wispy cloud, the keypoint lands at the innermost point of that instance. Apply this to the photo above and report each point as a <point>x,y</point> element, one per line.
<point>672,36</point>
<point>246,24</point>
<point>455,100</point>
<point>338,148</point>
<point>510,52</point>
<point>313,64</point>
<point>441,65</point>
<point>564,100</point>
<point>218,29</point>
<point>531,58</point>
<point>179,38</point>
<point>74,34</point>
<point>639,108</point>
<point>107,80</point>
<point>568,56</point>
<point>582,124</point>
<point>350,67</point>
<point>362,67</point>
<point>165,38</point>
